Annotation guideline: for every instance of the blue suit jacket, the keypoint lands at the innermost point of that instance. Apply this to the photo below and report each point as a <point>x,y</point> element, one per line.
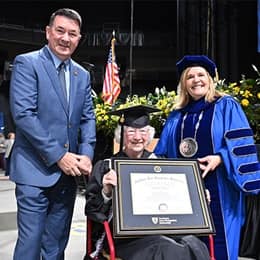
<point>46,126</point>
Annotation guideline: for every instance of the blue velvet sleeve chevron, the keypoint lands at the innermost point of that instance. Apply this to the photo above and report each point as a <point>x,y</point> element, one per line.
<point>237,149</point>
<point>245,153</point>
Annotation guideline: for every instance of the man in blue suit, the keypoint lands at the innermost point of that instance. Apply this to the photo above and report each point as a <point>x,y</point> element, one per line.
<point>55,139</point>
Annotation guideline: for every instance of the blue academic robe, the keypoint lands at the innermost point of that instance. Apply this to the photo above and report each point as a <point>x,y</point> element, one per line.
<point>238,175</point>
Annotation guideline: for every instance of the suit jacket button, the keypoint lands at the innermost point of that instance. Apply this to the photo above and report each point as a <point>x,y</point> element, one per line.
<point>66,145</point>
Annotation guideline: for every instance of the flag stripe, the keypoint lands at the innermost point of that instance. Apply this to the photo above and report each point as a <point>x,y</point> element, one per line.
<point>111,84</point>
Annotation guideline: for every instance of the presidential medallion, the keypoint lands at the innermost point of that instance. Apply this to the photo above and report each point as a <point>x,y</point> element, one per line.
<point>188,147</point>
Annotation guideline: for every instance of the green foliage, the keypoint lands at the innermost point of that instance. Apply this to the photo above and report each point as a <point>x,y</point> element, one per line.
<point>247,93</point>
<point>161,99</point>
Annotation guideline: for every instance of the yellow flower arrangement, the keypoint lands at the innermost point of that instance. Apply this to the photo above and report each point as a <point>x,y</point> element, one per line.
<point>161,99</point>
<point>247,93</point>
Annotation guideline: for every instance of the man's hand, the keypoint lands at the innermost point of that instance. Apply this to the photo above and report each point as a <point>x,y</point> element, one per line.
<point>75,165</point>
<point>84,164</point>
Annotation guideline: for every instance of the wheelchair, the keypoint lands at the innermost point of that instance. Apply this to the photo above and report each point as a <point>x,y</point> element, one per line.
<point>112,251</point>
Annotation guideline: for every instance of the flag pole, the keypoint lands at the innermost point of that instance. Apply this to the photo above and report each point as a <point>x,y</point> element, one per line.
<point>131,51</point>
<point>113,58</point>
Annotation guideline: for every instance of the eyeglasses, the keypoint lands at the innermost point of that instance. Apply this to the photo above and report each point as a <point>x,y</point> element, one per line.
<point>133,131</point>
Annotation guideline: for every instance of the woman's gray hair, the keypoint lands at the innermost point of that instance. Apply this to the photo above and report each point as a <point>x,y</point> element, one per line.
<point>117,133</point>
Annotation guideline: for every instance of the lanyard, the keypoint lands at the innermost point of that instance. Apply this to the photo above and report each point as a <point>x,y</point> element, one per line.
<point>196,126</point>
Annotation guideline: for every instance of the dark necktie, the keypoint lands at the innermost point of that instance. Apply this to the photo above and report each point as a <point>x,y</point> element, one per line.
<point>61,73</point>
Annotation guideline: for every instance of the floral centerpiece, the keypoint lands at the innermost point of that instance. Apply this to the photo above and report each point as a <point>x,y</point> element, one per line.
<point>161,99</point>
<point>246,92</point>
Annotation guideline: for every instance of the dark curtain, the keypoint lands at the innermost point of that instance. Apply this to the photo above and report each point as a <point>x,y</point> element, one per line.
<point>191,27</point>
<point>224,30</point>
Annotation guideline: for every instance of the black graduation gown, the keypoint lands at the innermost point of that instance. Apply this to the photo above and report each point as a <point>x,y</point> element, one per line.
<point>154,247</point>
<point>250,234</point>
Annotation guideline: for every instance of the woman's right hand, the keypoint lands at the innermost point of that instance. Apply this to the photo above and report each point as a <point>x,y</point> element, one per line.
<point>109,180</point>
<point>209,163</point>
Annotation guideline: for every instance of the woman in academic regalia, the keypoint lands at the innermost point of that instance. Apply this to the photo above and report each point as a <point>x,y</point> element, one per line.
<point>216,129</point>
<point>135,133</point>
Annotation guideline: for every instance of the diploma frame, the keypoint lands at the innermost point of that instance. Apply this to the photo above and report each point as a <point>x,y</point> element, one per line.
<point>144,202</point>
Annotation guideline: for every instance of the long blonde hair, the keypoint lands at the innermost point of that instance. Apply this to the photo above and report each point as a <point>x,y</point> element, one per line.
<point>183,95</point>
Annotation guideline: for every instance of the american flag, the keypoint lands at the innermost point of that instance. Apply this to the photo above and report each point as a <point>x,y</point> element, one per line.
<point>111,84</point>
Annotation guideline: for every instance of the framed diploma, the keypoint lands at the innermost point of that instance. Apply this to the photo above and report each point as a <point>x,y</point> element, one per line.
<point>159,196</point>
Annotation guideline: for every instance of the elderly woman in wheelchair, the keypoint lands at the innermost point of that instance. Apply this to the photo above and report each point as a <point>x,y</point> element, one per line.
<point>134,135</point>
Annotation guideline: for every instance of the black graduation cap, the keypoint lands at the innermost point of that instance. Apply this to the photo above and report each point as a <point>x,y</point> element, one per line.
<point>197,60</point>
<point>135,116</point>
